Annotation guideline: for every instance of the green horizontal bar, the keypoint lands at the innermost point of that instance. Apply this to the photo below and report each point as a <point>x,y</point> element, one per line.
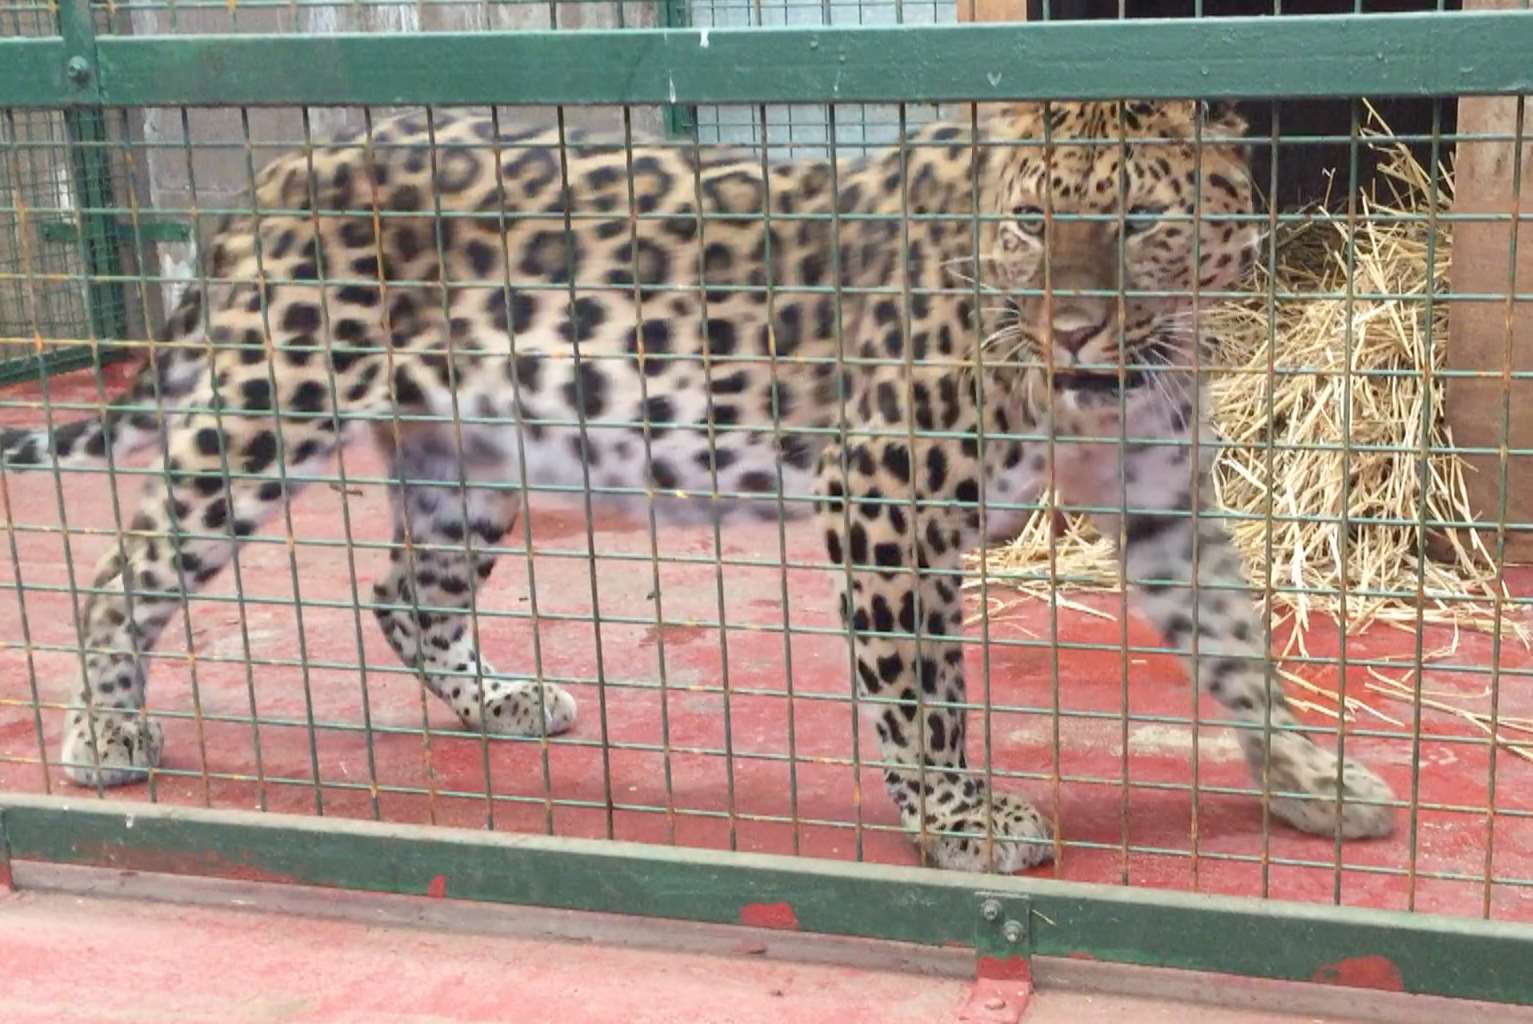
<point>32,73</point>
<point>1467,958</point>
<point>148,230</point>
<point>56,360</point>
<point>1328,55</point>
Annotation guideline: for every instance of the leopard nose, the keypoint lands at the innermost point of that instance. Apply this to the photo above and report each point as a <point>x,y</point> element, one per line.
<point>1074,338</point>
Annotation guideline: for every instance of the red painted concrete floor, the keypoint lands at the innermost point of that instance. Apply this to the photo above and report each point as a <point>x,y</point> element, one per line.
<point>193,952</point>
<point>1117,825</point>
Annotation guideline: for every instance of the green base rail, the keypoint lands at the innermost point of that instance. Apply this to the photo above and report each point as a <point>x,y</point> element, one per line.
<point>1010,916</point>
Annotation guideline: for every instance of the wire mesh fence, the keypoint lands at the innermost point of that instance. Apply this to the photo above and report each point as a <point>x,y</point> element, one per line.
<point>42,180</point>
<point>1010,458</point>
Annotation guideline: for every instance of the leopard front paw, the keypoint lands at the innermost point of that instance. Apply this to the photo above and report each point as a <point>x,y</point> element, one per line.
<point>995,833</point>
<point>114,750</point>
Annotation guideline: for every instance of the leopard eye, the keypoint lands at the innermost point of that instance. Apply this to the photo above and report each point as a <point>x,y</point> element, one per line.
<point>1029,219</point>
<point>1142,218</point>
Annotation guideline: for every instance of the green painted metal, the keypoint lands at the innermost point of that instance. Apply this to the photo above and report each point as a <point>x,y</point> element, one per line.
<point>6,881</point>
<point>56,360</point>
<point>98,238</point>
<point>1407,54</point>
<point>32,72</point>
<point>1003,925</point>
<point>680,119</point>
<point>77,29</point>
<point>92,166</point>
<point>1415,952</point>
<point>149,229</point>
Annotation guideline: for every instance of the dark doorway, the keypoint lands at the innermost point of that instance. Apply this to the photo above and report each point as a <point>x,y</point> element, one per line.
<point>1304,169</point>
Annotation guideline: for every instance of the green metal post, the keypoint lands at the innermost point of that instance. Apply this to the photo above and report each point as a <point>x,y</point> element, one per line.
<point>86,126</point>
<point>7,880</point>
<point>680,119</point>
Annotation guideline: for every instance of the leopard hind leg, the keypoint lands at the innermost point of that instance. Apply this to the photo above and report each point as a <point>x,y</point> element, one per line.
<point>447,527</point>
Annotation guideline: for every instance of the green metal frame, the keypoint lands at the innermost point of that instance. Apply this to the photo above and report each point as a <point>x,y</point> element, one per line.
<point>1250,58</point>
<point>1439,54</point>
<point>96,231</point>
<point>1260,938</point>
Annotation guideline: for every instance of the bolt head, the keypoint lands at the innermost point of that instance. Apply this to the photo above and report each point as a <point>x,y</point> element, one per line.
<point>990,910</point>
<point>78,69</point>
<point>1012,930</point>
<point>995,1003</point>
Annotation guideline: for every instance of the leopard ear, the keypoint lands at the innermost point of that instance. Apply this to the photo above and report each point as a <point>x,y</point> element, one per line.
<point>1222,118</point>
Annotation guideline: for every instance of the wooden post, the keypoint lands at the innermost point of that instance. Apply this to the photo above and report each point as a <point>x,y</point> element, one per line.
<point>992,10</point>
<point>1478,330</point>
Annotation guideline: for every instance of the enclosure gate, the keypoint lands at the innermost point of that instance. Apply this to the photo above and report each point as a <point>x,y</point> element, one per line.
<point>92,305</point>
<point>86,75</point>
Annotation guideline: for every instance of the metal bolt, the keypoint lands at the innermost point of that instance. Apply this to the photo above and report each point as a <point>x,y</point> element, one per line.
<point>995,1003</point>
<point>990,910</point>
<point>1012,930</point>
<point>78,70</point>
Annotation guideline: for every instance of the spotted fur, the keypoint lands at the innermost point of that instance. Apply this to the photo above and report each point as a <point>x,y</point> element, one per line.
<point>507,309</point>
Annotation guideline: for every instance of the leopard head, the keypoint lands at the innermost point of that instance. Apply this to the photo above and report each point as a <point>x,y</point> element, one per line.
<point>1096,202</point>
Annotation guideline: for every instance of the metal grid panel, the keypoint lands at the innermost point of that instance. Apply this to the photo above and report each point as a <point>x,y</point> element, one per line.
<point>68,255</point>
<point>409,17</point>
<point>709,661</point>
<point>802,130</point>
<point>41,182</point>
<point>61,251</point>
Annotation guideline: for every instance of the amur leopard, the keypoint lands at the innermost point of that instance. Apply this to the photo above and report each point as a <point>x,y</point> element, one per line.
<point>544,308</point>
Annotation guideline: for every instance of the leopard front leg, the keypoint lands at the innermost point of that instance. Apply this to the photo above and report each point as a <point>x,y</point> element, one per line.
<point>901,604</point>
<point>186,530</point>
<point>108,740</point>
<point>1312,788</point>
<point>441,533</point>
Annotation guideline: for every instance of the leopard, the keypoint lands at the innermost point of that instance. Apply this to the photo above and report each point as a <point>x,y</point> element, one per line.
<point>904,348</point>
